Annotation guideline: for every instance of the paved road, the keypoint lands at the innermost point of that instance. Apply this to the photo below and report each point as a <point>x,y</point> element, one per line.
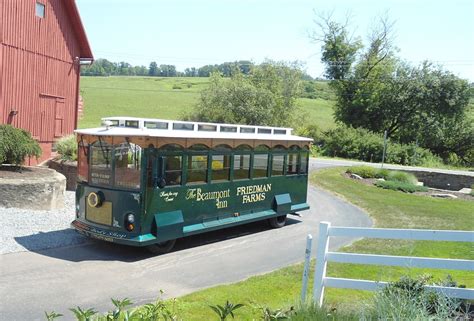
<point>89,274</point>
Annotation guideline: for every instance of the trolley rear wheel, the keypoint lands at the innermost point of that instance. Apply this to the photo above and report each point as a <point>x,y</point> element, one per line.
<point>162,247</point>
<point>278,221</point>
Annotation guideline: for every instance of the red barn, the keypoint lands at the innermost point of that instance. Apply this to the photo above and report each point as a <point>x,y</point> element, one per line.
<point>43,44</point>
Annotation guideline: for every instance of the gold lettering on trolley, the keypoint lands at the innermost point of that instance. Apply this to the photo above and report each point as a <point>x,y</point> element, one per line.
<point>198,195</point>
<point>253,193</point>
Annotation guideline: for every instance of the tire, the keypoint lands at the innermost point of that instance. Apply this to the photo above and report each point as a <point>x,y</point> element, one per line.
<point>277,222</point>
<point>162,247</point>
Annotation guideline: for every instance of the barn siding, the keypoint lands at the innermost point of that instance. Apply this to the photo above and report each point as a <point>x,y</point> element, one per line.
<point>38,71</point>
<point>51,36</point>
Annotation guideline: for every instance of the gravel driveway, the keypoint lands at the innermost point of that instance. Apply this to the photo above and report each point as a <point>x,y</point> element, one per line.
<point>29,230</point>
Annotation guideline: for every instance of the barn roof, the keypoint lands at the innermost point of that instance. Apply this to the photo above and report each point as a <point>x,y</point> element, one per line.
<point>76,22</point>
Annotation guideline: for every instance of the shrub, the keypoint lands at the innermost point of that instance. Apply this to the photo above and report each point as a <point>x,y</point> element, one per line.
<point>67,148</point>
<point>382,173</point>
<point>311,131</point>
<point>408,299</point>
<point>306,312</point>
<point>355,143</point>
<point>402,177</point>
<point>399,186</point>
<point>176,86</point>
<point>363,171</point>
<point>362,144</point>
<point>16,144</point>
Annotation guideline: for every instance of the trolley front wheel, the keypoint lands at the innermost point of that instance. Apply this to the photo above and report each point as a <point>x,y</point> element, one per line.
<point>277,222</point>
<point>162,247</point>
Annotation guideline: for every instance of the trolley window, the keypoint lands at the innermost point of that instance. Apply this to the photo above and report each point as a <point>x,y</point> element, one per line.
<point>82,162</point>
<point>131,123</point>
<point>173,170</point>
<point>101,164</point>
<point>197,169</point>
<point>304,162</point>
<point>260,165</point>
<point>220,168</point>
<point>242,166</point>
<point>277,165</point>
<point>127,165</point>
<point>292,166</point>
<point>156,125</point>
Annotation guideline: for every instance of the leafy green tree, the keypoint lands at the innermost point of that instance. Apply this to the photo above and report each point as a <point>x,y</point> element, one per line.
<point>207,70</point>
<point>267,96</point>
<point>190,72</point>
<point>153,70</point>
<point>167,71</point>
<point>377,91</point>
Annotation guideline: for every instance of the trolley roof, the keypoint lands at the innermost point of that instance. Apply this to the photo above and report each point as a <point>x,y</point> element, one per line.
<point>151,127</point>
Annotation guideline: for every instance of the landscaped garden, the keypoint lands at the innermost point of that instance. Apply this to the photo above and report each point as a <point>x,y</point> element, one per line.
<point>278,292</point>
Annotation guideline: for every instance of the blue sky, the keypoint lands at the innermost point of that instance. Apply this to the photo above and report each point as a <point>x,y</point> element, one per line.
<point>194,33</point>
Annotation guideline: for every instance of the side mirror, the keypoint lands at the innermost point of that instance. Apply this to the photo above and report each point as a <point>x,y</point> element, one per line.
<point>161,183</point>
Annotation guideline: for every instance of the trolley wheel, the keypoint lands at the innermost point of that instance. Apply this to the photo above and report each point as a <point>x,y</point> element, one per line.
<point>162,247</point>
<point>277,222</point>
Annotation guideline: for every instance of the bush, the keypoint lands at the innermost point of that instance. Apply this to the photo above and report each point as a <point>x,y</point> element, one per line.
<point>176,86</point>
<point>382,173</point>
<point>16,144</point>
<point>354,143</point>
<point>408,299</point>
<point>67,148</point>
<point>399,186</point>
<point>363,171</point>
<point>362,144</point>
<point>402,177</point>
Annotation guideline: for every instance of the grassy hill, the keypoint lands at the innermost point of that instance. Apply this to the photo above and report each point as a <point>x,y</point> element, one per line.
<point>166,98</point>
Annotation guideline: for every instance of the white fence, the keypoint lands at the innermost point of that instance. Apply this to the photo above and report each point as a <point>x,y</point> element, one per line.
<point>323,256</point>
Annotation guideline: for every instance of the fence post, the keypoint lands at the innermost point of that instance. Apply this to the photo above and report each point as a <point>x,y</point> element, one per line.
<point>321,263</point>
<point>307,262</point>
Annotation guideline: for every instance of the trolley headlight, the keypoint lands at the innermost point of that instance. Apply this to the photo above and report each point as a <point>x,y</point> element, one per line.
<point>130,222</point>
<point>94,199</point>
<point>131,218</point>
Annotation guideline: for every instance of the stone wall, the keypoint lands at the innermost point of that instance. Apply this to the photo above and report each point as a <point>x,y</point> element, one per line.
<point>452,182</point>
<point>41,189</point>
<point>68,169</point>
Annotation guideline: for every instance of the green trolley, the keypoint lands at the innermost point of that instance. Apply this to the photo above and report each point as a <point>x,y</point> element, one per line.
<point>148,182</point>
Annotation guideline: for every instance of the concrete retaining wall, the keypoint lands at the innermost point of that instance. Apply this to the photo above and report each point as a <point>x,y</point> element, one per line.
<point>41,192</point>
<point>452,182</point>
<point>68,169</point>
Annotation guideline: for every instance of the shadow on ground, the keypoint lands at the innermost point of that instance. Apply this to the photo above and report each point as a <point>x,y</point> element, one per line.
<point>80,248</point>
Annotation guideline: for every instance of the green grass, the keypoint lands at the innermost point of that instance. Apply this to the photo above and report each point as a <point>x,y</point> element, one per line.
<point>319,112</point>
<point>155,97</point>
<point>281,289</point>
<point>137,96</point>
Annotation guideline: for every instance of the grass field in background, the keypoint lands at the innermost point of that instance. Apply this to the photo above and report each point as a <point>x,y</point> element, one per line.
<point>281,288</point>
<point>138,97</point>
<point>155,97</point>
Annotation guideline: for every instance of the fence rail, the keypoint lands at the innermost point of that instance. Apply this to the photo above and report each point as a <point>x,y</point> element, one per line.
<point>323,256</point>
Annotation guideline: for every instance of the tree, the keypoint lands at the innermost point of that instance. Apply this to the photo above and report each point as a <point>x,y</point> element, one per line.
<point>377,91</point>
<point>153,70</point>
<point>267,96</point>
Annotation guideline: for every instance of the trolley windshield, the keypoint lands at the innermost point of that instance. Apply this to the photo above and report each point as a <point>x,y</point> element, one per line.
<point>107,165</point>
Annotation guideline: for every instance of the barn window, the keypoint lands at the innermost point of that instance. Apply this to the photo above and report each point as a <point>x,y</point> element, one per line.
<point>40,8</point>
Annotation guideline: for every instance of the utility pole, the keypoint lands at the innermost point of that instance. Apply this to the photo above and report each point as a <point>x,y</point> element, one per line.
<point>384,147</point>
